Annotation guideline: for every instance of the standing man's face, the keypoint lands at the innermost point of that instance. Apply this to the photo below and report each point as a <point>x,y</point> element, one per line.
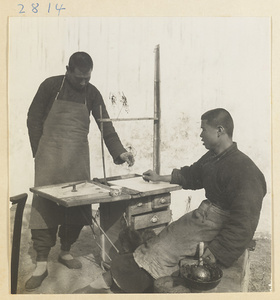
<point>209,136</point>
<point>79,78</point>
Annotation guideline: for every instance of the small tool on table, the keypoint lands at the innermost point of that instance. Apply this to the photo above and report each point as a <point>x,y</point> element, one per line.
<point>73,185</point>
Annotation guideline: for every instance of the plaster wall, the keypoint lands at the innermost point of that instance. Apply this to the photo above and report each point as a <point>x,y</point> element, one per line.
<point>205,63</point>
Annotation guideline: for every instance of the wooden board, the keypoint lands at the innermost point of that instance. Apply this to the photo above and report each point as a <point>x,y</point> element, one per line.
<point>144,187</point>
<point>87,193</point>
<point>90,192</point>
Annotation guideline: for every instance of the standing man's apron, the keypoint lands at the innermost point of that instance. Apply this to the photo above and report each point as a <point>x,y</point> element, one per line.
<point>62,156</point>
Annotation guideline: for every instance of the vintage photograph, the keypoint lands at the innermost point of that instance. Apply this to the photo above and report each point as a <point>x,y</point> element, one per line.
<point>140,155</point>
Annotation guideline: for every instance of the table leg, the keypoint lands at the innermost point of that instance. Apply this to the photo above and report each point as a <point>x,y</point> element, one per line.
<point>102,242</point>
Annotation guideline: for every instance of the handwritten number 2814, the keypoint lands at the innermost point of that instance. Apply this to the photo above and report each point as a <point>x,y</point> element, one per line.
<point>35,8</point>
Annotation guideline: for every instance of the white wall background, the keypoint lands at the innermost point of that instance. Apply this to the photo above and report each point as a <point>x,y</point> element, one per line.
<point>205,63</point>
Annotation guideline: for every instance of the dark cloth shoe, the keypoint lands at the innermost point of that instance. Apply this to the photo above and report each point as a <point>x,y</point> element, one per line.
<point>71,264</point>
<point>35,281</point>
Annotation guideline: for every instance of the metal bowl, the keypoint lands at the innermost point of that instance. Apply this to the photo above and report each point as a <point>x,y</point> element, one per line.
<point>192,283</point>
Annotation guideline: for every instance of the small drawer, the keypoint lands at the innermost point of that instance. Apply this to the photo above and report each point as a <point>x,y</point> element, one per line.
<point>151,219</point>
<point>163,200</point>
<point>140,206</point>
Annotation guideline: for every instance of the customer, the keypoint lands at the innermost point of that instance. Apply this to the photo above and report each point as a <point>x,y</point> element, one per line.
<point>226,221</point>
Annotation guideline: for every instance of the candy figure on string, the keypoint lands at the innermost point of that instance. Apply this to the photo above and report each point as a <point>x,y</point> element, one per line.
<point>119,99</point>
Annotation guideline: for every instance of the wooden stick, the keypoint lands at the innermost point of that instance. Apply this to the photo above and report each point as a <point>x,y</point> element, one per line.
<point>100,228</point>
<point>102,146</point>
<point>126,119</point>
<point>93,233</point>
<point>156,143</point>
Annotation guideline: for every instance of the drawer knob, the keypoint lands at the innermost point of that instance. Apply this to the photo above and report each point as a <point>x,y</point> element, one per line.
<point>154,219</point>
<point>139,204</point>
<point>162,200</point>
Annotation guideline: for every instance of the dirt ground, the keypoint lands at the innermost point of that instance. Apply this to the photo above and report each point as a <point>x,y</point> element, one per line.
<point>260,266</point>
<point>61,280</point>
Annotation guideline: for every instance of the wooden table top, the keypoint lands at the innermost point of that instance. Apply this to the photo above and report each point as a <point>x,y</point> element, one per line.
<point>90,192</point>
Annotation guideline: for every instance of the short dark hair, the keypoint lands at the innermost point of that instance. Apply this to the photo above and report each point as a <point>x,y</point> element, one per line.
<point>80,60</point>
<point>219,116</point>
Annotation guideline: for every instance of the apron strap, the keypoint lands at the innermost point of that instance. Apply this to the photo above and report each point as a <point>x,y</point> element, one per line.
<point>62,83</point>
<point>60,88</point>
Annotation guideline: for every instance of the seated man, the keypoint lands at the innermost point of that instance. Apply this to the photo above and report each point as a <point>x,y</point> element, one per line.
<point>226,221</point>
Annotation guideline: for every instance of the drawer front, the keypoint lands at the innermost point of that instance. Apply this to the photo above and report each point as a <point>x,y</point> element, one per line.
<point>151,219</point>
<point>140,206</point>
<point>160,201</point>
<point>147,204</point>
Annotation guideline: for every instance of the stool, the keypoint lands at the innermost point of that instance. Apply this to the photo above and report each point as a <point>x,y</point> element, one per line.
<point>236,277</point>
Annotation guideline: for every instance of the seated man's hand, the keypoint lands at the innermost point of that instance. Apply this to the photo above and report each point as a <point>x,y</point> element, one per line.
<point>128,157</point>
<point>208,257</point>
<point>151,175</point>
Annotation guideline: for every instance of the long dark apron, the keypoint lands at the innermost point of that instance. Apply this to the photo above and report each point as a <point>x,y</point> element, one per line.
<point>62,156</point>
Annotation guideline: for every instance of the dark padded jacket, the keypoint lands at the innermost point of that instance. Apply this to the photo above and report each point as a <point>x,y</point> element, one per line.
<point>234,183</point>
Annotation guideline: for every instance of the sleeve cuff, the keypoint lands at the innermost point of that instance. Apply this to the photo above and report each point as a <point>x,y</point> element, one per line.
<point>221,254</point>
<point>118,160</point>
<point>176,177</point>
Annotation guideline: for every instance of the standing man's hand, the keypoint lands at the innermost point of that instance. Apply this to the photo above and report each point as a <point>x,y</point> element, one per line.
<point>128,157</point>
<point>208,257</point>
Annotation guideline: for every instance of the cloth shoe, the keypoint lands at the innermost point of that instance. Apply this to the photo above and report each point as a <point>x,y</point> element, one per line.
<point>35,281</point>
<point>71,263</point>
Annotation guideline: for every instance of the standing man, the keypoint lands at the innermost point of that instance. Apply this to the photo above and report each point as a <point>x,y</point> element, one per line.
<point>226,221</point>
<point>58,125</point>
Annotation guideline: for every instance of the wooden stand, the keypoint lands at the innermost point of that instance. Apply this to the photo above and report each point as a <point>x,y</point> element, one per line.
<point>148,209</point>
<point>144,206</point>
<point>155,119</point>
<point>140,214</point>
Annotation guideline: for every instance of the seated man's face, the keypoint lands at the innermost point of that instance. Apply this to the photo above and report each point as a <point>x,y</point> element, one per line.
<point>79,78</point>
<point>209,135</point>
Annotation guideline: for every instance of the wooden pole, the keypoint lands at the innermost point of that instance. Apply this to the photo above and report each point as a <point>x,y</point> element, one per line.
<point>102,145</point>
<point>156,141</point>
<point>124,119</point>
